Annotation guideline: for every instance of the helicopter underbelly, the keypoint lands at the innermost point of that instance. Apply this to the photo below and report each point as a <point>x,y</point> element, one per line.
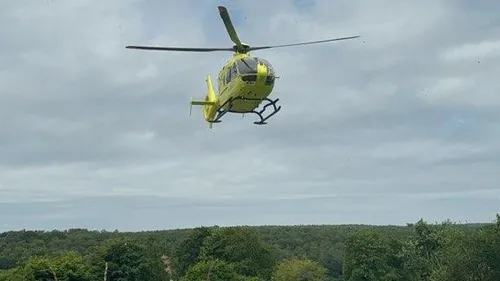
<point>252,92</point>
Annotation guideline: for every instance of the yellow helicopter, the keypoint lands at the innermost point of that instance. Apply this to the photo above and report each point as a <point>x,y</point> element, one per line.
<point>244,82</point>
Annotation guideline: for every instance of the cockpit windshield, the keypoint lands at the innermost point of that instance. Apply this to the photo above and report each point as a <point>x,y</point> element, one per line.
<point>247,66</point>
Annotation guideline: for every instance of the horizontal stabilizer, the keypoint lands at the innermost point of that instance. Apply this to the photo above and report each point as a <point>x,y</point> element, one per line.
<point>196,102</point>
<point>199,102</point>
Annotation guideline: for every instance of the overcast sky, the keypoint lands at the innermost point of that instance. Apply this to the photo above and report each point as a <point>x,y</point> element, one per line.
<point>400,124</point>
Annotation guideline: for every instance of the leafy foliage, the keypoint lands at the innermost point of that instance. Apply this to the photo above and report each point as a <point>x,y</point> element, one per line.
<point>214,270</point>
<point>299,269</point>
<point>416,252</point>
<point>188,250</point>
<point>242,247</point>
<point>371,256</point>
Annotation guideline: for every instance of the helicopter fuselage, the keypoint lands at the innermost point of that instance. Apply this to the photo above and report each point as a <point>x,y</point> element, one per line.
<point>246,81</point>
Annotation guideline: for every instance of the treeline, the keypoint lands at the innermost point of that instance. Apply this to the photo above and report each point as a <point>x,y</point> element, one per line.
<point>416,252</point>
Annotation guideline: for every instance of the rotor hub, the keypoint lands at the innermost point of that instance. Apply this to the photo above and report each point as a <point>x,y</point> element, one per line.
<point>241,49</point>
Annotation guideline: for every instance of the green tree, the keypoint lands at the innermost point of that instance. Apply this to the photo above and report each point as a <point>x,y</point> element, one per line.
<point>427,243</point>
<point>242,247</point>
<point>127,261</point>
<point>370,256</point>
<point>71,266</point>
<point>38,268</point>
<point>68,266</point>
<point>299,269</point>
<point>490,254</point>
<point>14,274</point>
<point>188,250</point>
<point>411,261</point>
<point>213,270</point>
<point>468,255</point>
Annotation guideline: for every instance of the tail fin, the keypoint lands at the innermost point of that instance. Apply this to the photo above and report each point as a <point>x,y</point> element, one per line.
<point>209,104</point>
<point>210,89</point>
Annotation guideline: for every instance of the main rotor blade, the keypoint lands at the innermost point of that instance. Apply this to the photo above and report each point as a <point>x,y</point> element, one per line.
<point>180,49</point>
<point>302,43</point>
<point>229,25</point>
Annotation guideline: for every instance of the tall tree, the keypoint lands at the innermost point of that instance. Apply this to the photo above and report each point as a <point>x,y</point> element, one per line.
<point>369,256</point>
<point>299,269</point>
<point>213,270</point>
<point>188,250</point>
<point>242,247</point>
<point>468,255</point>
<point>127,261</point>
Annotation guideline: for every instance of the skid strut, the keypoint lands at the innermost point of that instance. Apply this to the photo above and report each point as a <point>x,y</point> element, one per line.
<point>221,111</point>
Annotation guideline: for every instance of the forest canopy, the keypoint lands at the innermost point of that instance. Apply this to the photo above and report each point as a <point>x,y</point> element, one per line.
<point>417,251</point>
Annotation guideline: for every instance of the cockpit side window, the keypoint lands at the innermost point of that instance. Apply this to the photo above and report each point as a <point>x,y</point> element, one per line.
<point>231,74</point>
<point>228,76</point>
<point>233,71</point>
<point>247,66</point>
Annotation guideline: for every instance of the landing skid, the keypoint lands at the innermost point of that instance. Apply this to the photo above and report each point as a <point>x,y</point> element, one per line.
<point>221,112</point>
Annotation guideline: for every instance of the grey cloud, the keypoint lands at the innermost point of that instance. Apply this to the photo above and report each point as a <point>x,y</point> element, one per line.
<point>405,110</point>
<point>125,213</point>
